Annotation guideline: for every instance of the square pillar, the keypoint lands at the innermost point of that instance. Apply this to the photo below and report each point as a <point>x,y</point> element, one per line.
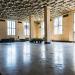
<point>32,27</point>
<point>47,24</point>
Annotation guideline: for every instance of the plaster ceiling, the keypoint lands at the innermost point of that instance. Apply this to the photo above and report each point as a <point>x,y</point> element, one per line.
<point>21,9</point>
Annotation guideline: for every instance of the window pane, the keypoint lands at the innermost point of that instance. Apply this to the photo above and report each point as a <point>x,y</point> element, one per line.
<point>10,27</point>
<point>56,21</point>
<point>60,20</point>
<point>8,24</point>
<point>60,29</point>
<point>42,29</point>
<point>13,24</point>
<point>27,31</point>
<point>74,22</point>
<point>26,23</point>
<point>56,30</point>
<point>13,33</point>
<point>26,28</point>
<point>8,32</point>
<point>58,25</point>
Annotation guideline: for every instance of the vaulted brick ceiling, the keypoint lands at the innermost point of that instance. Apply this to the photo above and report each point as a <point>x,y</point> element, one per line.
<point>21,9</point>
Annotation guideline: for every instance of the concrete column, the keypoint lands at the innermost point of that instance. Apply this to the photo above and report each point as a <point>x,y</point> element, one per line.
<point>32,27</point>
<point>47,24</point>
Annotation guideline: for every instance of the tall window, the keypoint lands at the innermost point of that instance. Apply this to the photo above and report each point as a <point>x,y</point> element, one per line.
<point>74,22</point>
<point>58,25</point>
<point>26,28</point>
<point>42,29</point>
<point>74,29</point>
<point>11,27</point>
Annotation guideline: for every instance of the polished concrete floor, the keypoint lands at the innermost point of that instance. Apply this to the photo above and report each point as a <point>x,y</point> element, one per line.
<point>23,58</point>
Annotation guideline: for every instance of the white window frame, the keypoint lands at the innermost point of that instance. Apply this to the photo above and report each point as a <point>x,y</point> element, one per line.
<point>42,30</point>
<point>26,28</point>
<point>58,25</point>
<point>11,27</point>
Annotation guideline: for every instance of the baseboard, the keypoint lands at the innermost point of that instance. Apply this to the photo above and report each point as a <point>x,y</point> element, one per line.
<point>62,41</point>
<point>12,40</point>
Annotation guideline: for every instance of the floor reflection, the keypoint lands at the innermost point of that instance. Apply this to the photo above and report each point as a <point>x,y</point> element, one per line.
<point>24,58</point>
<point>11,56</point>
<point>74,59</point>
<point>26,53</point>
<point>58,56</point>
<point>43,53</point>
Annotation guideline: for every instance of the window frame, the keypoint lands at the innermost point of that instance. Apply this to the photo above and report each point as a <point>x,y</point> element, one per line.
<point>11,27</point>
<point>42,29</point>
<point>26,28</point>
<point>58,25</point>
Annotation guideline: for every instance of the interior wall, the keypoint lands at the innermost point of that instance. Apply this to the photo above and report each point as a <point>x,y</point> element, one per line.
<point>3,31</point>
<point>32,27</point>
<point>19,30</point>
<point>67,34</point>
<point>38,31</point>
